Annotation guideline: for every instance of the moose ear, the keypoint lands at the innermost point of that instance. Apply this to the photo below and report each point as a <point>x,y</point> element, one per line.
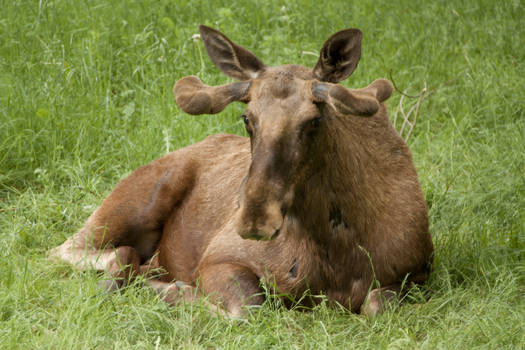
<point>233,60</point>
<point>339,56</point>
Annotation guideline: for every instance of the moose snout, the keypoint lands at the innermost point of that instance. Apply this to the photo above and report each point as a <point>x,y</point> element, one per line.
<point>260,225</point>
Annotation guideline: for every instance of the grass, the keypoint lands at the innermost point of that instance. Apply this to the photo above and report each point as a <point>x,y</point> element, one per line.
<point>85,98</point>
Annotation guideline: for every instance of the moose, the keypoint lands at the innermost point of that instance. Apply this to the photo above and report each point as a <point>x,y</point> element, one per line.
<point>323,195</point>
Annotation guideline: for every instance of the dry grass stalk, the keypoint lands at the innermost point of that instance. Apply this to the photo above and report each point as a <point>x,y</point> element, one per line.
<point>409,118</point>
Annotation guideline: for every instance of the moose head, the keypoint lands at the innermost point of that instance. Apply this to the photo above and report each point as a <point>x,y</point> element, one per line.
<point>288,111</point>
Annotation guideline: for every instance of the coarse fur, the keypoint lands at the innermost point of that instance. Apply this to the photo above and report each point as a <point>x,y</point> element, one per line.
<point>323,196</point>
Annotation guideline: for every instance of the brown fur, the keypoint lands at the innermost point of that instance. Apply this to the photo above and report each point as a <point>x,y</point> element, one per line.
<point>324,187</point>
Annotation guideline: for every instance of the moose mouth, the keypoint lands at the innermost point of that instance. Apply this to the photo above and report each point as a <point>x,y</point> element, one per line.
<point>261,236</point>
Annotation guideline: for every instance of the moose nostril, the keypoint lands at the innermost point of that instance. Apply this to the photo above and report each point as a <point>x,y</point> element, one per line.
<point>284,208</point>
<point>276,233</point>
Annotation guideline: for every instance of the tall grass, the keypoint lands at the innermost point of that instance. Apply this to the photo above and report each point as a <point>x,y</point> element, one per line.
<point>85,98</point>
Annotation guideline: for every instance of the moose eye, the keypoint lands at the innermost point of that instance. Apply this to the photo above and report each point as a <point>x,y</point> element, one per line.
<point>316,122</point>
<point>247,125</point>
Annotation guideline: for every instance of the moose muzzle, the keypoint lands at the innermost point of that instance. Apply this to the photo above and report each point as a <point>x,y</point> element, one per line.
<point>263,203</point>
<point>261,221</point>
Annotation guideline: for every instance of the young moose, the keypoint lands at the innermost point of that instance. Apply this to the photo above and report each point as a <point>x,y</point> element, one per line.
<point>322,196</point>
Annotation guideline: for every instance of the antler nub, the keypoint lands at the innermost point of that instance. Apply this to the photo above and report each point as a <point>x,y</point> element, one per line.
<point>194,97</point>
<point>345,101</point>
<point>362,102</point>
<point>381,89</point>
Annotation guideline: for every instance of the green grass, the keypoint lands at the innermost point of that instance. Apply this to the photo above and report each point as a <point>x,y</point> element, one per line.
<point>85,98</point>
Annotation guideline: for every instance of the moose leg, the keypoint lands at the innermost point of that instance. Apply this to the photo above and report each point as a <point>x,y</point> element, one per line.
<point>232,287</point>
<point>122,263</point>
<point>173,293</point>
<point>125,230</point>
<point>123,267</point>
<point>229,286</point>
<point>378,298</point>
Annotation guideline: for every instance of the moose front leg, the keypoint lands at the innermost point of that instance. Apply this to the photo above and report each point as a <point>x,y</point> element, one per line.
<point>232,287</point>
<point>228,286</point>
<point>378,298</point>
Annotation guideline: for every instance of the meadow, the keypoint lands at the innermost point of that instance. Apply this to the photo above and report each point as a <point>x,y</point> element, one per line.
<point>86,97</point>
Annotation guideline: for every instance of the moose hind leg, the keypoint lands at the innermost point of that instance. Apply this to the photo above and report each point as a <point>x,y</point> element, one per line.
<point>122,263</point>
<point>130,220</point>
<point>123,268</point>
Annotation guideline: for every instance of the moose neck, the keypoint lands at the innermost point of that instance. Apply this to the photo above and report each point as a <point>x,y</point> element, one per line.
<point>342,189</point>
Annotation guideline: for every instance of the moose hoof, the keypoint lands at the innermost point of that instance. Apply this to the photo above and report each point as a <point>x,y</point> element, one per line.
<point>177,292</point>
<point>376,301</point>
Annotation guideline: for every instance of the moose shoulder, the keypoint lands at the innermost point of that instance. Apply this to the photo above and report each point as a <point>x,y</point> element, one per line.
<point>323,195</point>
